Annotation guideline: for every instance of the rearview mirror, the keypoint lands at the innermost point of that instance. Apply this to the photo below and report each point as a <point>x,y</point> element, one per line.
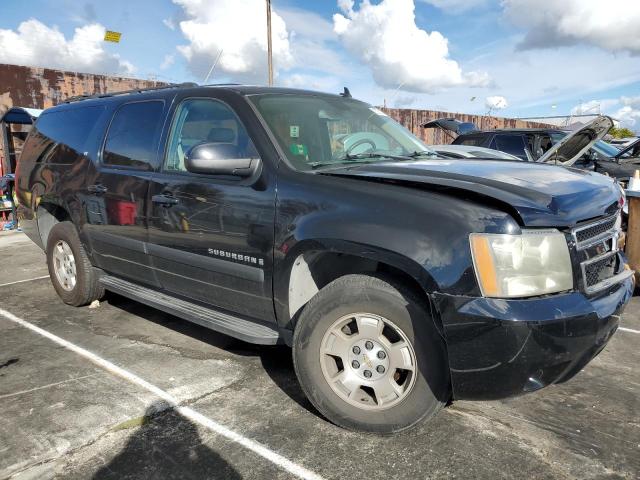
<point>219,159</point>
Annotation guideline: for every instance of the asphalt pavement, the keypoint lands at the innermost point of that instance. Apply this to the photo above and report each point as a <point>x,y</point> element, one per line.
<point>126,391</point>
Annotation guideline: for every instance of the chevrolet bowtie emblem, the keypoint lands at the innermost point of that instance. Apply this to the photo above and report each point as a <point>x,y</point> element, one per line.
<point>366,361</point>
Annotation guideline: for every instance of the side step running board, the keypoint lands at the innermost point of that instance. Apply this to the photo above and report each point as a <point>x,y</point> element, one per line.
<point>240,328</point>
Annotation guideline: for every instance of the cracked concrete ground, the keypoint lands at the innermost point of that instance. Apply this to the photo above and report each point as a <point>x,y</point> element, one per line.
<point>63,417</point>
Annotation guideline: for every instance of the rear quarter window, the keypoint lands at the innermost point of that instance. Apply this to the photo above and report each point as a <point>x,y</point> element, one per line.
<point>61,136</point>
<point>134,134</point>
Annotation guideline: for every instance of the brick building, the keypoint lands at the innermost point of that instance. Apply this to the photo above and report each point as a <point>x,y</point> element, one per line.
<point>35,87</point>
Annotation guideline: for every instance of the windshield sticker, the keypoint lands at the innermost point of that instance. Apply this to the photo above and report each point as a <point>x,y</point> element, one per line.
<point>377,111</point>
<point>294,131</point>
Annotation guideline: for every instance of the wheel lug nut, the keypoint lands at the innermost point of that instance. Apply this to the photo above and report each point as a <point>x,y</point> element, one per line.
<point>356,350</point>
<point>380,369</point>
<point>355,364</point>
<point>367,373</point>
<point>368,345</point>
<point>382,355</point>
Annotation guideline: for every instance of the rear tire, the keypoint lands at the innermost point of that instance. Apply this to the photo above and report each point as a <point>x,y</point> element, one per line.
<point>73,277</point>
<point>385,330</point>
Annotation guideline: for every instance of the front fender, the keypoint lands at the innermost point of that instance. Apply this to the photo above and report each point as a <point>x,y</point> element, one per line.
<point>422,233</point>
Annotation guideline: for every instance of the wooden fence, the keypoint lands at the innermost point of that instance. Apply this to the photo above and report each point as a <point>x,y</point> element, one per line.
<point>413,119</point>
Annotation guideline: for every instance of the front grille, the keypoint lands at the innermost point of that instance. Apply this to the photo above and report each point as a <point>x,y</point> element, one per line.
<point>597,248</point>
<point>593,232</point>
<point>600,270</point>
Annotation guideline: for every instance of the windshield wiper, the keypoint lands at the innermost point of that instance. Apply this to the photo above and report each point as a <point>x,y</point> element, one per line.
<point>358,156</point>
<point>423,153</point>
<point>341,164</point>
<point>364,157</point>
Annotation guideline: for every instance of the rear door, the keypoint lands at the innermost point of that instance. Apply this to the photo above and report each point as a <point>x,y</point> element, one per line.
<point>117,190</point>
<point>211,236</point>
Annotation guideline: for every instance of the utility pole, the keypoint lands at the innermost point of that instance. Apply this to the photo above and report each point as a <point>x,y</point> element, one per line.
<point>269,49</point>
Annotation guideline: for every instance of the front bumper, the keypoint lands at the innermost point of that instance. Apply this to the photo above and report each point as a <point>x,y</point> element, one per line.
<point>500,348</point>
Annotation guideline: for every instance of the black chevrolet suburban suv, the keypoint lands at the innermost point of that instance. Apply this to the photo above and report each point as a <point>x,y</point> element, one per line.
<point>401,280</point>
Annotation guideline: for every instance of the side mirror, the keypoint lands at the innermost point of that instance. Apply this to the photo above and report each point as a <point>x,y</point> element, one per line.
<point>219,159</point>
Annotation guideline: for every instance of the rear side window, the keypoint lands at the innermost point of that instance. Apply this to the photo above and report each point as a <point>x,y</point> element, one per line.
<point>513,144</point>
<point>67,133</point>
<point>133,136</point>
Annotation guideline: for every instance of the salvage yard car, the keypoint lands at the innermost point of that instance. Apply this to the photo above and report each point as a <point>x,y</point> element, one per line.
<point>582,148</point>
<point>400,279</point>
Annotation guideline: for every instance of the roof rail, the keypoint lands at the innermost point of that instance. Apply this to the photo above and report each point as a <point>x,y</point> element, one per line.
<point>125,92</point>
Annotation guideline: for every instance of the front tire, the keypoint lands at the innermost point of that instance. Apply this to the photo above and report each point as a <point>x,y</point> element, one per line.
<point>73,277</point>
<point>369,357</point>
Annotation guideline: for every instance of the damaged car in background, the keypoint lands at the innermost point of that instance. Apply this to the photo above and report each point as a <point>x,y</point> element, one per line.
<point>581,148</point>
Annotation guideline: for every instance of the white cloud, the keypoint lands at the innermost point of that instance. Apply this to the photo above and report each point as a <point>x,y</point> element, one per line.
<point>386,38</point>
<point>633,102</point>
<point>594,106</point>
<point>455,6</point>
<point>312,41</point>
<point>311,82</point>
<point>405,101</point>
<point>624,109</point>
<point>238,28</point>
<point>629,117</point>
<point>496,102</point>
<point>167,61</point>
<point>629,113</point>
<point>36,44</point>
<point>169,23</point>
<point>611,25</point>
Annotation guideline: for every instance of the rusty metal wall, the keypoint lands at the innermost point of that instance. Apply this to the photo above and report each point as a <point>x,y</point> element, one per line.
<point>35,87</point>
<point>412,119</point>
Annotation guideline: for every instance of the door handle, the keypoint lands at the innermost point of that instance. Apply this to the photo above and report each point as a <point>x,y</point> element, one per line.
<point>164,200</point>
<point>97,189</point>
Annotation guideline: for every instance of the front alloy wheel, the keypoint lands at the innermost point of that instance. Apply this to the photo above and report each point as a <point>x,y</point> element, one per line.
<point>368,361</point>
<point>368,355</point>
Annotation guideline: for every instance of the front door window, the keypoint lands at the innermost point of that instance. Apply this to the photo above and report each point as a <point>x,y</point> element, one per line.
<point>200,121</point>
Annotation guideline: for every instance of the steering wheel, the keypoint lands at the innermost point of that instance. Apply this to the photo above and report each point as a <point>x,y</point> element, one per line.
<point>362,141</point>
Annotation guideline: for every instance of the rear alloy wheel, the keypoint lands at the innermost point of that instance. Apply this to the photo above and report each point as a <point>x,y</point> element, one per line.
<point>369,357</point>
<point>64,265</point>
<point>75,280</point>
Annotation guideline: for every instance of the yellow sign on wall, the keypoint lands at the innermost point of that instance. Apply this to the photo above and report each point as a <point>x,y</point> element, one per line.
<point>110,36</point>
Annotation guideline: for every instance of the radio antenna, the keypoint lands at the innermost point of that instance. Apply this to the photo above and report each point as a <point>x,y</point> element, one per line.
<point>212,67</point>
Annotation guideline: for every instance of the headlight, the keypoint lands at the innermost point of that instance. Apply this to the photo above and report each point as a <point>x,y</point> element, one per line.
<point>533,263</point>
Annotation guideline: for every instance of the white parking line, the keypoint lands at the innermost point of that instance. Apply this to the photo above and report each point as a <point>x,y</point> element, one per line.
<point>187,412</point>
<point>24,281</point>
<point>630,330</point>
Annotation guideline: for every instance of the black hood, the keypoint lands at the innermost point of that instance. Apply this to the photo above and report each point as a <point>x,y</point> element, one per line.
<point>542,195</point>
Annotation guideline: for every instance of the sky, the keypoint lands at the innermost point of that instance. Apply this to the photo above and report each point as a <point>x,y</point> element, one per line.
<point>515,58</point>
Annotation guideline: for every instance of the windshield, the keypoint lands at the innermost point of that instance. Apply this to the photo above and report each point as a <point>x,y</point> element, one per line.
<point>605,149</point>
<point>324,131</point>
